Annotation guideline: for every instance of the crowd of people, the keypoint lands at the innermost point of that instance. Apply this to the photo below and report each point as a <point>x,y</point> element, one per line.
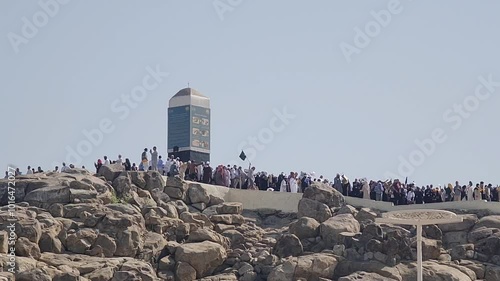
<point>393,191</point>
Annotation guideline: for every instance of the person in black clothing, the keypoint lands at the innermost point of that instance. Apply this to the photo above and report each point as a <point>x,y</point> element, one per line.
<point>428,195</point>
<point>419,196</point>
<point>494,195</point>
<point>436,196</point>
<point>128,166</point>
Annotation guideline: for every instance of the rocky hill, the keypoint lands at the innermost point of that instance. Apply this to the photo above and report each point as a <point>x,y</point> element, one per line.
<point>131,226</point>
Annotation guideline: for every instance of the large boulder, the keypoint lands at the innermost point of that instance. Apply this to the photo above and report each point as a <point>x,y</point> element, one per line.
<point>204,234</point>
<point>435,271</point>
<point>488,222</point>
<point>198,194</point>
<point>48,195</point>
<point>154,180</point>
<point>288,245</point>
<point>111,172</point>
<point>204,257</point>
<point>313,267</point>
<point>34,274</point>
<point>228,219</point>
<point>468,222</point>
<point>313,209</point>
<point>26,248</point>
<point>492,273</point>
<point>331,228</point>
<point>184,272</point>
<point>325,194</point>
<point>81,241</point>
<point>29,228</point>
<point>176,188</point>
<point>129,242</point>
<point>230,208</point>
<point>365,214</point>
<point>143,269</point>
<point>305,228</point>
<point>123,185</point>
<point>431,249</point>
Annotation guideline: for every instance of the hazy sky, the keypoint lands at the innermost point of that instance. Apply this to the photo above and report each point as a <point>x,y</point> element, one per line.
<point>361,81</point>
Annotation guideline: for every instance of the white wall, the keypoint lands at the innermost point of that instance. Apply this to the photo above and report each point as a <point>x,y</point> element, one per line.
<point>254,199</point>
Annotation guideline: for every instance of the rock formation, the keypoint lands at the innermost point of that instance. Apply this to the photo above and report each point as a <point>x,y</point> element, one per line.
<point>128,226</point>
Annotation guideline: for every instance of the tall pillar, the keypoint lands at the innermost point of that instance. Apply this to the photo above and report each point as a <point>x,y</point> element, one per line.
<point>189,126</point>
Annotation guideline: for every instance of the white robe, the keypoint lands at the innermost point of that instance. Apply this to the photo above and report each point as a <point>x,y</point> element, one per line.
<point>283,186</point>
<point>366,190</point>
<point>293,185</point>
<point>470,192</point>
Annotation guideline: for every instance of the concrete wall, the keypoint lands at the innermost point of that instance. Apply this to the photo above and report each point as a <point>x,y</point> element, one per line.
<point>288,202</point>
<point>253,200</point>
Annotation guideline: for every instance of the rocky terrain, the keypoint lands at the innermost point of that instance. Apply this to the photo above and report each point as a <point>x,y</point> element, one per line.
<point>131,226</point>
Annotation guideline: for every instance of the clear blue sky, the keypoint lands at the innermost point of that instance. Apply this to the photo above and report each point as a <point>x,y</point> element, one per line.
<point>354,117</point>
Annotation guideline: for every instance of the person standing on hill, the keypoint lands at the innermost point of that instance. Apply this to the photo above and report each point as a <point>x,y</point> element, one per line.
<point>127,165</point>
<point>207,173</point>
<point>470,191</point>
<point>293,183</point>
<point>458,192</point>
<point>337,183</point>
<point>98,165</point>
<point>284,185</point>
<point>161,165</point>
<point>379,191</point>
<point>144,159</point>
<point>120,160</point>
<point>154,159</point>
<point>250,176</point>
<point>366,189</point>
<point>199,172</point>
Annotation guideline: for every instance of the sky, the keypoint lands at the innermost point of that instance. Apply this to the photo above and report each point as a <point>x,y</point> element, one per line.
<point>375,89</point>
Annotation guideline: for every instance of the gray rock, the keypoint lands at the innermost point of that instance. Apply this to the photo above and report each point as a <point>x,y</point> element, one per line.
<point>26,248</point>
<point>204,257</point>
<point>313,209</point>
<point>325,194</point>
<point>492,273</point>
<point>49,195</point>
<point>468,222</point>
<point>288,245</point>
<point>198,194</point>
<point>33,274</point>
<point>230,208</point>
<point>455,238</point>
<point>305,228</point>
<point>347,209</point>
<point>111,172</point>
<point>330,229</point>
<point>365,214</point>
<point>432,232</point>
<point>459,252</point>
